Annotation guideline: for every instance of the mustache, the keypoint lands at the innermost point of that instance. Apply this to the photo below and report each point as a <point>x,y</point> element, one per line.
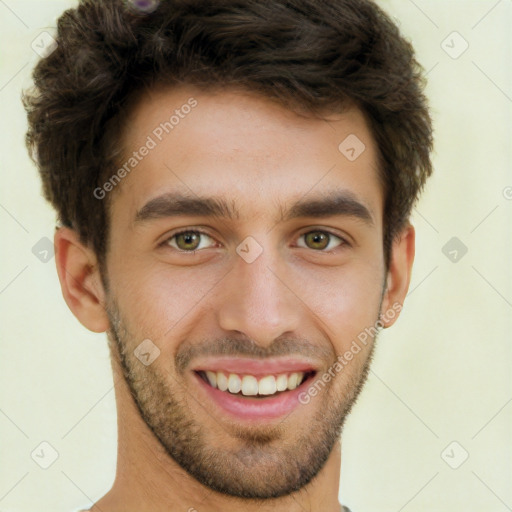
<point>245,347</point>
<point>230,346</point>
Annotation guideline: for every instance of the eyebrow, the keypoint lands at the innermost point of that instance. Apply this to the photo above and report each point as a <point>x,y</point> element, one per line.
<point>342,203</point>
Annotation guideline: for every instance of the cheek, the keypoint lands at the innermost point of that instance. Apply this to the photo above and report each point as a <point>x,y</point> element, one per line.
<point>346,300</point>
<point>157,299</point>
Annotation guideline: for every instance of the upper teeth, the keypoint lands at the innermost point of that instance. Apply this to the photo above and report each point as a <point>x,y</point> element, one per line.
<point>250,385</point>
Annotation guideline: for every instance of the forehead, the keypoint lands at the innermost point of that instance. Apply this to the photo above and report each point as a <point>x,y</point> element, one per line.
<point>245,148</point>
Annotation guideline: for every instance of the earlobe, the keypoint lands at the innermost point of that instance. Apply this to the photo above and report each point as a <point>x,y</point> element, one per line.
<point>399,275</point>
<point>80,280</point>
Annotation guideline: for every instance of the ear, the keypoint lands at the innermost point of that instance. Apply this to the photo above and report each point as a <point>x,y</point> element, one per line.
<point>399,275</point>
<point>80,280</point>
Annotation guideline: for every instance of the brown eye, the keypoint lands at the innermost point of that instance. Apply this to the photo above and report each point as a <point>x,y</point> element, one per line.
<point>320,240</point>
<point>187,241</point>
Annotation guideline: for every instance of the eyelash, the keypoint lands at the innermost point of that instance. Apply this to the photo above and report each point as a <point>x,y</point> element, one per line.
<point>343,241</point>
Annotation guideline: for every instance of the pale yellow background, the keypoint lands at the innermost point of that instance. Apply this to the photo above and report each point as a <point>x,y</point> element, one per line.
<point>442,374</point>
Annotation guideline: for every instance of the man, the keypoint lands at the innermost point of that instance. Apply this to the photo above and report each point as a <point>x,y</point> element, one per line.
<point>233,182</point>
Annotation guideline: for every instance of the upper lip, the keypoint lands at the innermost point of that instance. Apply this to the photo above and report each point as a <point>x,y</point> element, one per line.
<point>255,367</point>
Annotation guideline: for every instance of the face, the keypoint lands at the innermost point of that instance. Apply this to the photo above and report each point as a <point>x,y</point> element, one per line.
<point>277,274</point>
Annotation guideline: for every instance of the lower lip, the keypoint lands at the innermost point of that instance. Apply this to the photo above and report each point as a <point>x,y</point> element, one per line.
<point>255,409</point>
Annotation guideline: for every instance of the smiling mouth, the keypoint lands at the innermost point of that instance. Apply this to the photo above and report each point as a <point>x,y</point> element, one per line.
<point>248,386</point>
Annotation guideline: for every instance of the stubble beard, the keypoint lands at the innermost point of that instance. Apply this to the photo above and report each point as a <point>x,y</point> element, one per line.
<point>268,462</point>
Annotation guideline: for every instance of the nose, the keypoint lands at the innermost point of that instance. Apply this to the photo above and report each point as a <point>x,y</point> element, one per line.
<point>257,300</point>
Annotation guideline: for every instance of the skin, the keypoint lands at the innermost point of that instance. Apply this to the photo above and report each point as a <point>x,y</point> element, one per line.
<point>176,450</point>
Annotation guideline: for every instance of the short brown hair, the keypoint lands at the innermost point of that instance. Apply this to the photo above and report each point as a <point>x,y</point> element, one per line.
<point>310,55</point>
